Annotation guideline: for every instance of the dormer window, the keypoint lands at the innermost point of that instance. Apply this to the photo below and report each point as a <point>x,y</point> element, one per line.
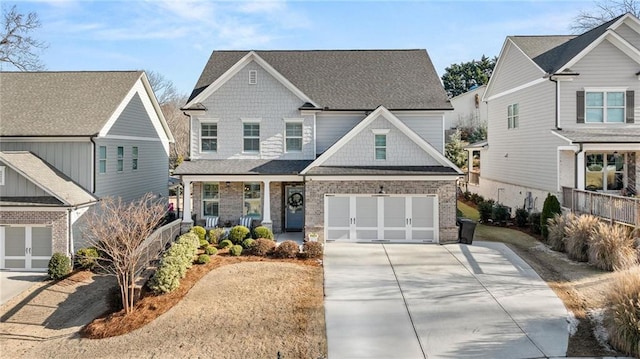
<point>253,77</point>
<point>380,144</point>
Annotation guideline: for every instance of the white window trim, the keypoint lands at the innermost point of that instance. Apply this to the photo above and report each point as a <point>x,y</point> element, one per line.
<point>375,147</point>
<point>515,117</point>
<point>245,198</point>
<point>134,157</point>
<point>253,77</point>
<point>207,121</point>
<point>293,120</point>
<point>605,90</point>
<point>605,171</point>
<point>106,156</point>
<point>250,121</point>
<point>119,160</point>
<point>380,131</point>
<point>202,199</point>
<point>2,172</point>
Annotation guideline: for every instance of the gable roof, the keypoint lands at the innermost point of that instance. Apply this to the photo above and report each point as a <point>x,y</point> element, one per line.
<point>411,135</point>
<point>347,79</point>
<point>47,177</point>
<point>63,103</point>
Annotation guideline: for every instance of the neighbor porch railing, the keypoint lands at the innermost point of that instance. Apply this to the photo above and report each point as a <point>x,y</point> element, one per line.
<point>473,177</point>
<point>156,243</point>
<point>623,210</point>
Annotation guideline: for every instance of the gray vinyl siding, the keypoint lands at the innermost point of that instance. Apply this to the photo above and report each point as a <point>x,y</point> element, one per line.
<point>629,34</point>
<point>360,150</point>
<point>605,66</point>
<point>134,121</point>
<point>151,175</point>
<point>16,185</point>
<point>267,100</point>
<point>332,127</point>
<point>428,127</point>
<point>71,158</point>
<point>515,70</point>
<point>527,155</point>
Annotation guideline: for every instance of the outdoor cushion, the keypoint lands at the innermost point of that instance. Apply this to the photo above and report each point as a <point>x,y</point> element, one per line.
<point>246,221</point>
<point>211,222</point>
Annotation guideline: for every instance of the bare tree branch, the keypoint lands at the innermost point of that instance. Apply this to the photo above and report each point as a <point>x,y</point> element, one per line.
<point>605,11</point>
<point>17,48</point>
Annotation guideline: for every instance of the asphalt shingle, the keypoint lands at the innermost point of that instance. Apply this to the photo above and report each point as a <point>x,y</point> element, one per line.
<point>242,167</point>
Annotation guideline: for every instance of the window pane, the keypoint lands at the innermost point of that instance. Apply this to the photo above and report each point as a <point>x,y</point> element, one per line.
<point>294,129</point>
<point>510,111</point>
<point>252,205</point>
<point>595,162</point>
<point>210,208</point>
<point>516,109</point>
<point>294,144</point>
<point>209,129</point>
<point>381,153</point>
<point>615,99</point>
<point>210,191</point>
<point>134,152</point>
<point>120,152</point>
<point>615,181</point>
<point>252,129</point>
<point>103,166</point>
<point>615,115</point>
<point>594,115</point>
<point>594,99</point>
<point>103,152</point>
<point>251,145</point>
<point>615,162</point>
<point>209,144</point>
<point>120,167</point>
<point>381,140</point>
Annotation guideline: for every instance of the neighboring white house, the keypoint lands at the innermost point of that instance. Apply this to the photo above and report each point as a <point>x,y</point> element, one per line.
<point>468,109</point>
<point>347,144</point>
<point>66,140</point>
<point>563,117</point>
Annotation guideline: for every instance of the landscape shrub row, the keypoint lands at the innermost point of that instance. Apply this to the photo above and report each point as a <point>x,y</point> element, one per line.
<point>236,235</point>
<point>174,263</point>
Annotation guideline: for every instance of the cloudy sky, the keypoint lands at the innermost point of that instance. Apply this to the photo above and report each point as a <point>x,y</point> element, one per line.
<point>175,38</point>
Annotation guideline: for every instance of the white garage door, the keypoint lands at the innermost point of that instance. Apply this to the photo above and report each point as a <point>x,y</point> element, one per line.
<point>25,247</point>
<point>398,218</point>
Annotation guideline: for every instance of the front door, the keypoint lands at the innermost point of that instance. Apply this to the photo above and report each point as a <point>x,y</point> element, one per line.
<point>25,248</point>
<point>294,208</point>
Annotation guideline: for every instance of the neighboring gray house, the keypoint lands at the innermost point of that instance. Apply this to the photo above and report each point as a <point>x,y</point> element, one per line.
<point>563,119</point>
<point>66,140</point>
<point>347,144</point>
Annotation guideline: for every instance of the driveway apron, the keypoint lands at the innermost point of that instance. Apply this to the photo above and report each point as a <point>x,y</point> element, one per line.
<point>431,301</point>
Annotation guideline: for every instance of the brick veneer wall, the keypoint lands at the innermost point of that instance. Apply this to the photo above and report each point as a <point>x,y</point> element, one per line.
<point>276,206</point>
<point>446,191</point>
<point>58,221</point>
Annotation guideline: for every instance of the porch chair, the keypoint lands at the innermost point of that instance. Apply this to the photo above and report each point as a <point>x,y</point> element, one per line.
<point>211,222</point>
<point>246,221</point>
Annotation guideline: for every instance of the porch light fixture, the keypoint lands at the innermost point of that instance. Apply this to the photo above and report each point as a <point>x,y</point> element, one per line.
<point>381,190</point>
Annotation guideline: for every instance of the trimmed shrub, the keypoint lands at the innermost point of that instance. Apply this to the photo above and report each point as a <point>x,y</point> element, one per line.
<point>203,259</point>
<point>235,250</point>
<point>216,235</point>
<point>485,209</point>
<point>238,234</point>
<point>211,250</point>
<point>204,243</point>
<point>534,222</point>
<point>476,198</point>
<point>312,249</point>
<point>167,278</point>
<point>225,243</point>
<point>262,232</point>
<point>550,208</point>
<point>86,258</point>
<point>200,232</point>
<point>557,231</point>
<point>247,243</point>
<point>612,248</point>
<point>500,213</point>
<point>191,240</point>
<point>287,249</point>
<point>466,195</point>
<point>578,231</point>
<point>521,217</point>
<point>59,266</point>
<point>177,257</point>
<point>622,318</point>
<point>262,247</point>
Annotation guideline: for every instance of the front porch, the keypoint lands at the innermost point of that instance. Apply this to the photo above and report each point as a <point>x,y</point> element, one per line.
<point>617,209</point>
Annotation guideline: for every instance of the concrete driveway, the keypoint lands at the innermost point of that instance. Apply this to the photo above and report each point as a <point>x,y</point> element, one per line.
<point>432,301</point>
<point>13,283</point>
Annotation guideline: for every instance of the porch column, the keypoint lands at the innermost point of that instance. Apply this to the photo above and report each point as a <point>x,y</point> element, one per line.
<point>186,202</point>
<point>266,210</point>
<point>580,171</point>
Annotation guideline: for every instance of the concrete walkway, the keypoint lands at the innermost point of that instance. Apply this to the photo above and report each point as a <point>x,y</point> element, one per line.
<point>431,301</point>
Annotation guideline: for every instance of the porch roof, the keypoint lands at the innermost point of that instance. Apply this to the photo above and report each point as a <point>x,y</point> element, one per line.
<point>381,170</point>
<point>242,167</point>
<point>601,135</point>
<point>30,201</point>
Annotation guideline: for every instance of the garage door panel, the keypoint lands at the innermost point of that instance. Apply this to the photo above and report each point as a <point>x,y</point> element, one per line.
<point>422,211</point>
<point>367,234</point>
<point>395,234</point>
<point>15,263</point>
<point>338,212</point>
<point>41,241</point>
<point>367,212</point>
<point>337,234</point>
<point>15,241</point>
<point>394,212</point>
<point>422,234</point>
<point>39,263</point>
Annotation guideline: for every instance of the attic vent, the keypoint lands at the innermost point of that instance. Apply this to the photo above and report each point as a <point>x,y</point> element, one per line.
<point>253,77</point>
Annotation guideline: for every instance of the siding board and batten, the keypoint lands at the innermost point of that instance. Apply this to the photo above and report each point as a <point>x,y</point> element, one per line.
<point>16,185</point>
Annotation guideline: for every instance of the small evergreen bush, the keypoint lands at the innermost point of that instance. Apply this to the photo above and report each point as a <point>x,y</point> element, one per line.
<point>247,243</point>
<point>177,260</point>
<point>287,249</point>
<point>521,217</point>
<point>466,195</point>
<point>238,234</point>
<point>262,247</point>
<point>578,231</point>
<point>622,318</point>
<point>211,250</point>
<point>204,244</point>
<point>200,232</point>
<point>500,213</point>
<point>262,232</point>
<point>235,250</point>
<point>534,222</point>
<point>550,208</point>
<point>216,235</point>
<point>485,209</point>
<point>86,258</point>
<point>312,249</point>
<point>225,243</point>
<point>59,266</point>
<point>167,278</point>
<point>612,248</point>
<point>203,259</point>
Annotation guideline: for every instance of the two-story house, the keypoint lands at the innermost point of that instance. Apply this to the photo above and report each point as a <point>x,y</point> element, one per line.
<point>563,118</point>
<point>346,144</point>
<point>66,140</point>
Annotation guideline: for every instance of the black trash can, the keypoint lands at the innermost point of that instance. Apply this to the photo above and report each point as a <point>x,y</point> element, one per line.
<point>465,231</point>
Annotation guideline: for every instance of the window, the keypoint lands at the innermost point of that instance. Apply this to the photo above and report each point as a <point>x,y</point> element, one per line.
<point>134,158</point>
<point>2,175</point>
<point>252,196</point>
<point>253,77</point>
<point>209,137</point>
<point>513,112</point>
<point>102,159</point>
<point>601,107</point>
<point>120,163</point>
<point>210,199</point>
<point>604,171</point>
<point>251,137</point>
<point>381,147</point>
<point>293,136</point>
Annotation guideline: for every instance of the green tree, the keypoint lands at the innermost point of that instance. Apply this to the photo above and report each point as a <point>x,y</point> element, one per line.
<point>459,78</point>
<point>454,150</point>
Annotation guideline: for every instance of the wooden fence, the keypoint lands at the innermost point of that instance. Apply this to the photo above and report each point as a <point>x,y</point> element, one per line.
<point>618,209</point>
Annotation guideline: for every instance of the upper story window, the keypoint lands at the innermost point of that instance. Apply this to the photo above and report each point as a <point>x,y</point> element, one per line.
<point>2,175</point>
<point>293,136</point>
<point>134,158</point>
<point>209,137</point>
<point>120,163</point>
<point>513,114</point>
<point>210,199</point>
<point>102,159</point>
<point>381,147</point>
<point>604,106</point>
<point>251,137</point>
<point>253,77</point>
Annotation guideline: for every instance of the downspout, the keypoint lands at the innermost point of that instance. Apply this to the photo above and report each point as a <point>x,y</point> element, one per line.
<point>557,106</point>
<point>69,232</point>
<point>93,163</point>
<point>575,173</point>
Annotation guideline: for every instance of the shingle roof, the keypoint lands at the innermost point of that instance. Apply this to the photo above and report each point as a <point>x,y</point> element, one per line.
<point>60,103</point>
<point>30,201</point>
<point>47,177</point>
<point>553,52</point>
<point>381,170</point>
<point>600,135</point>
<point>348,79</point>
<point>242,167</point>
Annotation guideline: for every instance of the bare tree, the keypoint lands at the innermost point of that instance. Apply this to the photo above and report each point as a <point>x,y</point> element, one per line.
<point>16,46</point>
<point>605,11</point>
<point>117,230</point>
